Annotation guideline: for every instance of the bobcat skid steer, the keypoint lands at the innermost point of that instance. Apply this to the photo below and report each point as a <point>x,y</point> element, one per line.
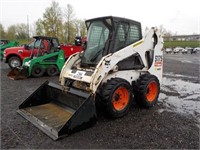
<point>116,66</point>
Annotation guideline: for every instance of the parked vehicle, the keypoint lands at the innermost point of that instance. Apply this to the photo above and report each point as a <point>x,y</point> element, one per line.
<point>15,56</point>
<point>194,51</point>
<point>197,49</point>
<point>189,49</point>
<point>168,50</point>
<point>177,50</point>
<point>6,44</point>
<point>184,51</point>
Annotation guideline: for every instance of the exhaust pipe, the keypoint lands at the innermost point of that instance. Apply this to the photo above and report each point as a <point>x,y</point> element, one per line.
<point>58,113</point>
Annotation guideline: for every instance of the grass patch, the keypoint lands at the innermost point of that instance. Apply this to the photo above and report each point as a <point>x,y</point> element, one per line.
<point>23,41</point>
<point>182,44</point>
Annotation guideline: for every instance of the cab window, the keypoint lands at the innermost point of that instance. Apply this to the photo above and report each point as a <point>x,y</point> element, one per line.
<point>36,42</point>
<point>126,34</point>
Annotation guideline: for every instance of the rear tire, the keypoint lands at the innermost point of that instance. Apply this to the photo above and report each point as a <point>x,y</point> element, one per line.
<point>52,70</point>
<point>146,90</point>
<point>117,97</point>
<point>37,71</point>
<point>14,61</point>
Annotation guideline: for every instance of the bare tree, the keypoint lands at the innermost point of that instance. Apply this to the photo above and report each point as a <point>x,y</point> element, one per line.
<point>39,27</point>
<point>11,32</point>
<point>80,27</point>
<point>21,31</point>
<point>2,31</point>
<point>52,24</point>
<point>52,20</point>
<point>69,15</point>
<point>166,33</point>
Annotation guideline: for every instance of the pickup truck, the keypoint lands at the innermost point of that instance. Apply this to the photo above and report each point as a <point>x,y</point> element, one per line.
<point>14,56</point>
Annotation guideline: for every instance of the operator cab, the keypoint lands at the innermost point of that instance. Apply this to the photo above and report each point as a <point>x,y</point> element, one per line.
<point>43,45</point>
<point>108,35</point>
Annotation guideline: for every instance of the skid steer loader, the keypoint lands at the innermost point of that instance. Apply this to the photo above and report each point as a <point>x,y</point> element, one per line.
<point>117,66</point>
<point>46,57</point>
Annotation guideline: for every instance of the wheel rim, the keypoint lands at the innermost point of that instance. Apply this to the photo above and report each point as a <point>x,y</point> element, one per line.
<point>53,70</point>
<point>15,63</point>
<point>38,70</point>
<point>152,91</point>
<point>120,98</point>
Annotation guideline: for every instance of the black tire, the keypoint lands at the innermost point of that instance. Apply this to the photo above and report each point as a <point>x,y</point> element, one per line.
<point>37,71</point>
<point>146,90</point>
<point>14,61</point>
<point>116,96</point>
<point>52,70</point>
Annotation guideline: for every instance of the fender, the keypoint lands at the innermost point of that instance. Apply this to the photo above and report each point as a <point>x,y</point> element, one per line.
<point>15,51</point>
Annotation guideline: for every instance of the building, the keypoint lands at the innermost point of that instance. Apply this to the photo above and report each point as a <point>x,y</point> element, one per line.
<point>194,37</point>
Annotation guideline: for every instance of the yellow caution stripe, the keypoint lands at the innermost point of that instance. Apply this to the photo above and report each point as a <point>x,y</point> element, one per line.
<point>138,43</point>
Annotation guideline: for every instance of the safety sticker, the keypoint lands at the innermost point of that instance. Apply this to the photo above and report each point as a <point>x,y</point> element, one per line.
<point>158,61</point>
<point>79,74</point>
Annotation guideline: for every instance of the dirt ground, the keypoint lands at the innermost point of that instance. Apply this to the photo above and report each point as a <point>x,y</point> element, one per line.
<point>168,125</point>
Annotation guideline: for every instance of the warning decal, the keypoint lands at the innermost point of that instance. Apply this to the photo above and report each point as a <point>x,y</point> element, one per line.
<point>158,61</point>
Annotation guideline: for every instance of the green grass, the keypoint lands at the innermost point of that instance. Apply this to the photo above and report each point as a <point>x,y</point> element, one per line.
<point>23,41</point>
<point>182,44</point>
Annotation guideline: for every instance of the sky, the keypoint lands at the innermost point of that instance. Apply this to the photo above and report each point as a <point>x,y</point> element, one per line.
<point>176,16</point>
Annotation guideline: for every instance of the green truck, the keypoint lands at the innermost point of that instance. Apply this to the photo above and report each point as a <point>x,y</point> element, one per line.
<point>6,44</point>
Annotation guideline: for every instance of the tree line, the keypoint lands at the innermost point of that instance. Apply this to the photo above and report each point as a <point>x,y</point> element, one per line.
<point>57,22</point>
<point>54,22</point>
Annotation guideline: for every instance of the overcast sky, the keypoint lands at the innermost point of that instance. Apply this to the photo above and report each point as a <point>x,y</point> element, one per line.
<point>177,16</point>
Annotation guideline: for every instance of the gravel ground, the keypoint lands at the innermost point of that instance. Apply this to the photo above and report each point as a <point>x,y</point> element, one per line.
<point>161,127</point>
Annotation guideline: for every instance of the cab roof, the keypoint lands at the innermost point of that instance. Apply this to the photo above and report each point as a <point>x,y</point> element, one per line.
<point>44,37</point>
<point>115,19</point>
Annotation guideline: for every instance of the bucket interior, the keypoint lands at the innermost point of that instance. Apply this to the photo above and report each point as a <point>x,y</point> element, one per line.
<point>53,110</point>
<point>51,114</point>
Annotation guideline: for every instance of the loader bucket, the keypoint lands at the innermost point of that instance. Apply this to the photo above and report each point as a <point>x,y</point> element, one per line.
<point>18,73</point>
<point>58,113</point>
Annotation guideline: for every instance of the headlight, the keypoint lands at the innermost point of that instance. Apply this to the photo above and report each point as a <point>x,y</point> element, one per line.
<point>27,63</point>
<point>4,53</point>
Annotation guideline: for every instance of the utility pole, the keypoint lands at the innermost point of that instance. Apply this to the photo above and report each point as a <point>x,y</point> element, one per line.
<point>28,27</point>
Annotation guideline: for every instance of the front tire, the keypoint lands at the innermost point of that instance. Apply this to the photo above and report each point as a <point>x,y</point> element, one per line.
<point>14,61</point>
<point>117,97</point>
<point>146,90</point>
